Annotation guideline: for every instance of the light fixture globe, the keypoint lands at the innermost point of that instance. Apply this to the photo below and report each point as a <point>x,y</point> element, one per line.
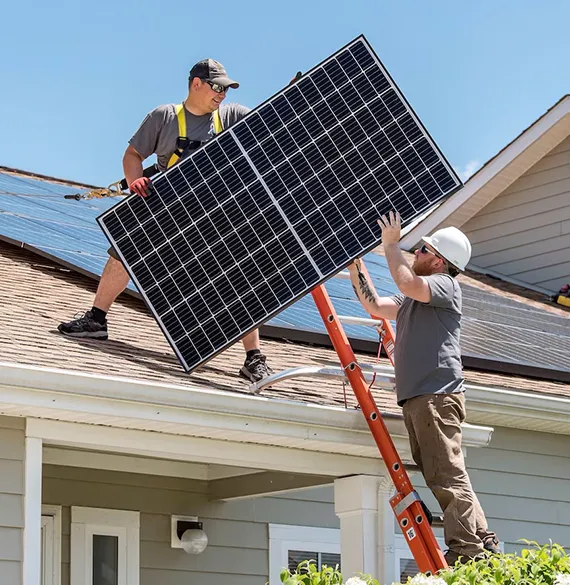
<point>194,541</point>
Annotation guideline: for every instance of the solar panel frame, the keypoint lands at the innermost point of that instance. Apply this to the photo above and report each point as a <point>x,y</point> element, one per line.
<point>260,159</point>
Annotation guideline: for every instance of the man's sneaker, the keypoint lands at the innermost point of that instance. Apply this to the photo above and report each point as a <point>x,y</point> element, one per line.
<point>84,326</point>
<point>255,368</point>
<point>491,544</point>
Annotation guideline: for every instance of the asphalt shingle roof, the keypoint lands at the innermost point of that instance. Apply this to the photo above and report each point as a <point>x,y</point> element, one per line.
<point>36,294</point>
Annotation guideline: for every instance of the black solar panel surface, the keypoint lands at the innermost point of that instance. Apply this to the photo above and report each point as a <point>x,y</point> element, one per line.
<point>277,203</point>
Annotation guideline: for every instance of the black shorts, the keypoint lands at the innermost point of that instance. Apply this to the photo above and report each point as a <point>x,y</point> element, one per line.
<point>113,253</point>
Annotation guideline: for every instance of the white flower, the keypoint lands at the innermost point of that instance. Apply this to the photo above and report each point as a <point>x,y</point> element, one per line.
<point>562,579</point>
<point>425,580</point>
<point>355,581</point>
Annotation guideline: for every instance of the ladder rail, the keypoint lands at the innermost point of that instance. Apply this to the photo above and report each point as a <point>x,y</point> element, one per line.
<point>406,503</point>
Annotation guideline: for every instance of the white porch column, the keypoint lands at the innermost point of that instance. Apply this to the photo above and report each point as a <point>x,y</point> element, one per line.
<point>33,512</point>
<point>366,525</point>
<point>387,572</point>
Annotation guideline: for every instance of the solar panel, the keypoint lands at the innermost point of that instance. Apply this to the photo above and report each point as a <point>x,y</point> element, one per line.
<point>277,203</point>
<point>35,214</point>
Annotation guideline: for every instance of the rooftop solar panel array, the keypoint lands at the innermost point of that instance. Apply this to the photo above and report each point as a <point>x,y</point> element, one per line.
<point>278,203</point>
<point>34,214</point>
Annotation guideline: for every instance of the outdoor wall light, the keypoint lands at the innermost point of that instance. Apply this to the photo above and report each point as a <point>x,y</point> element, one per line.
<point>187,533</point>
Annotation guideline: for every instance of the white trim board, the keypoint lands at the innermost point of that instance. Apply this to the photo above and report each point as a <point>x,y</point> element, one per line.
<point>34,392</point>
<point>32,511</point>
<point>125,403</point>
<point>181,448</point>
<point>145,465</point>
<point>122,524</point>
<point>55,513</point>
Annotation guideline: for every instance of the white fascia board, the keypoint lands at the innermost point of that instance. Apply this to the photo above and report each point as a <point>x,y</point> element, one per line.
<point>121,402</point>
<point>124,403</point>
<point>491,170</point>
<point>524,410</point>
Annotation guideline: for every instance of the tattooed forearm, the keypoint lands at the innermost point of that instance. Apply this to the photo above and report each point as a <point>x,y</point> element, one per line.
<point>365,288</point>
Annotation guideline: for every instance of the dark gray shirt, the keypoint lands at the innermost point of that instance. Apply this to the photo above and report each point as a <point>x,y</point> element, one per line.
<point>159,130</point>
<point>427,356</point>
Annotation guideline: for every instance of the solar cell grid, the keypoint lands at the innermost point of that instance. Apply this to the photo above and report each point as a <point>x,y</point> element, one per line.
<point>277,203</point>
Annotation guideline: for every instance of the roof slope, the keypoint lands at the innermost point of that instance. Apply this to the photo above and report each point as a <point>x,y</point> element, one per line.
<point>36,294</point>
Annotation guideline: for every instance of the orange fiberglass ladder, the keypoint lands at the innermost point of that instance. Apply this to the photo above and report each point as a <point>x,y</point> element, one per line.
<point>406,504</point>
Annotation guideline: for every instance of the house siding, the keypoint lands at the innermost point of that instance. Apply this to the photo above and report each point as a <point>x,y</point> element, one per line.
<point>522,480</point>
<point>523,483</point>
<point>237,531</point>
<point>524,233</point>
<point>12,454</point>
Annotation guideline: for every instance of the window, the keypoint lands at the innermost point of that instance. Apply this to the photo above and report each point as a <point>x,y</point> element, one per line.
<point>289,545</point>
<point>104,547</point>
<point>295,557</point>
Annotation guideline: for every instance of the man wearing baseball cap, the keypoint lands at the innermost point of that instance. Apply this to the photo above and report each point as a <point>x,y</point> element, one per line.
<point>171,132</point>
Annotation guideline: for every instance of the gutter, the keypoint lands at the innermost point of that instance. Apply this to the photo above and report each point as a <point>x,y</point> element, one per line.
<point>52,393</point>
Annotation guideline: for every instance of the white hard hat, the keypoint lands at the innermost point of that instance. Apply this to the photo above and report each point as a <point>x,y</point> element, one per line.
<point>452,244</point>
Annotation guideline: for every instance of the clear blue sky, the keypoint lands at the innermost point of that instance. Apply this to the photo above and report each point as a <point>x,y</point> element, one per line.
<point>77,77</point>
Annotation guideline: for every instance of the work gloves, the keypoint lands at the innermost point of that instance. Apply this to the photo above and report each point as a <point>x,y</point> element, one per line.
<point>140,186</point>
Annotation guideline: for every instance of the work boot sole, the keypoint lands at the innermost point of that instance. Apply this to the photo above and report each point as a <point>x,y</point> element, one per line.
<point>87,334</point>
<point>245,373</point>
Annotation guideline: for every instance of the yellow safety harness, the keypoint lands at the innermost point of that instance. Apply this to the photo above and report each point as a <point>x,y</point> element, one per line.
<point>182,141</point>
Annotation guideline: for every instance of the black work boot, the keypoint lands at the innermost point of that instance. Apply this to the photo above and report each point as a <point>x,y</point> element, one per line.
<point>255,369</point>
<point>491,544</point>
<point>85,326</point>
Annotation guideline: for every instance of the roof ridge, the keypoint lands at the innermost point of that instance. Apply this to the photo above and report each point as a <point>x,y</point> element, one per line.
<point>41,177</point>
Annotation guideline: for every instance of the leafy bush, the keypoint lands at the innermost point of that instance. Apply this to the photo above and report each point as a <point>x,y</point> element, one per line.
<point>307,573</point>
<point>542,565</point>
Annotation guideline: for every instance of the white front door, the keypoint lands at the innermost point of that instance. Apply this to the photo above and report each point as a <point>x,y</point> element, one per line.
<point>48,538</point>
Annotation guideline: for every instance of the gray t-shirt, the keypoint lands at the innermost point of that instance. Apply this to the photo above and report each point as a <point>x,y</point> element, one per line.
<point>427,355</point>
<point>159,130</point>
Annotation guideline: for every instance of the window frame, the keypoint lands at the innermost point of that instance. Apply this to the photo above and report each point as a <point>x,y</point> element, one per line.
<point>123,524</point>
<point>51,539</point>
<point>286,537</point>
<point>402,551</point>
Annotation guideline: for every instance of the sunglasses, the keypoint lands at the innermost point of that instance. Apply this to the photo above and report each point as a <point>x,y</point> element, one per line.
<point>425,250</point>
<point>216,86</point>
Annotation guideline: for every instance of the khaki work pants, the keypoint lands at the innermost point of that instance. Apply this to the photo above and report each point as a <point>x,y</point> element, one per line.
<point>434,422</point>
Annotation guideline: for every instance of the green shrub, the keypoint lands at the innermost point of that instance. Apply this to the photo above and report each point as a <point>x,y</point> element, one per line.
<point>307,573</point>
<point>540,565</point>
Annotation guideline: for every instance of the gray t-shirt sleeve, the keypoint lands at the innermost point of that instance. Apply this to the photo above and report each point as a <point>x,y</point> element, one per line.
<point>443,291</point>
<point>232,113</point>
<point>145,139</point>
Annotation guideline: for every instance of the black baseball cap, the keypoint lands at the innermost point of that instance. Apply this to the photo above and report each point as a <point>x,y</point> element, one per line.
<point>214,71</point>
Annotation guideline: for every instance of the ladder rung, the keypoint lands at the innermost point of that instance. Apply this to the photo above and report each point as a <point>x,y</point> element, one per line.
<point>360,321</point>
<point>344,275</point>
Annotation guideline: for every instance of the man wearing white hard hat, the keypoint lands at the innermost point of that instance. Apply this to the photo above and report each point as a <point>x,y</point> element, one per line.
<point>428,370</point>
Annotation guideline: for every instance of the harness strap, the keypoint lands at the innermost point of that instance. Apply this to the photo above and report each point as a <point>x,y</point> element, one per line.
<point>182,140</point>
<point>217,122</point>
